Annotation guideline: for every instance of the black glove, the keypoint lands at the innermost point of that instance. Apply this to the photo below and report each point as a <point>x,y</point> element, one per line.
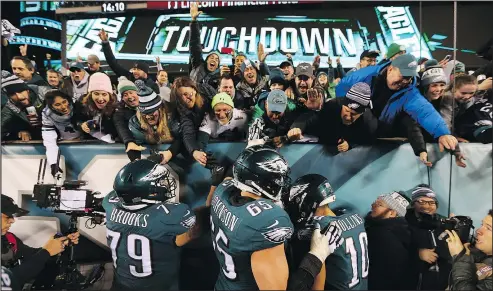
<point>55,169</point>
<point>211,161</point>
<point>217,174</point>
<point>157,158</point>
<point>134,155</point>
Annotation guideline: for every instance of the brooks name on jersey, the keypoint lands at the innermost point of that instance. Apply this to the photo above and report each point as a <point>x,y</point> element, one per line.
<point>128,218</point>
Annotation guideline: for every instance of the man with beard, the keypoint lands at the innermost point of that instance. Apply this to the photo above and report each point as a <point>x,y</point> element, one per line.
<point>273,118</point>
<point>201,71</point>
<point>347,117</point>
<point>124,111</point>
<point>389,244</point>
<point>76,86</point>
<point>304,79</point>
<point>139,71</point>
<point>252,83</point>
<point>93,64</point>
<point>24,69</point>
<point>20,116</point>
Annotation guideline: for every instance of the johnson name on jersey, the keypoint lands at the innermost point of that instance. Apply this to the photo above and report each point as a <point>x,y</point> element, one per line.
<point>241,226</point>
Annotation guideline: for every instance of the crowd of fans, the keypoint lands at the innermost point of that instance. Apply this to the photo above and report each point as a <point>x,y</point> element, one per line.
<point>421,100</point>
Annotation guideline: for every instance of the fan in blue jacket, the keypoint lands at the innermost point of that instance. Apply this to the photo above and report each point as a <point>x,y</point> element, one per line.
<point>393,86</point>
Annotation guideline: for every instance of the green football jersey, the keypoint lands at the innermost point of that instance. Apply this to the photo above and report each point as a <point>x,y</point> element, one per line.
<point>240,226</point>
<point>347,267</point>
<point>142,242</point>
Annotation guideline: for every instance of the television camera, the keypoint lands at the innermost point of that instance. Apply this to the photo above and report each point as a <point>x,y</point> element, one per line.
<point>70,198</point>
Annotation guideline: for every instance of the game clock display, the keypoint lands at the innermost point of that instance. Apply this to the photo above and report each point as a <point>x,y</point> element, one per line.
<point>114,7</point>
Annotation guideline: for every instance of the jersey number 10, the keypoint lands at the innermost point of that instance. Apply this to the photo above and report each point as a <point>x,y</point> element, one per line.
<point>145,252</point>
<point>363,262</point>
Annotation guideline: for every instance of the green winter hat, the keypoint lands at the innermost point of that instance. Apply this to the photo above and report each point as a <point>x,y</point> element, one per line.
<point>125,85</point>
<point>222,98</point>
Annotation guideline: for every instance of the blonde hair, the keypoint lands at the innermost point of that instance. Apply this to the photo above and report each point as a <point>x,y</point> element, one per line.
<point>162,134</point>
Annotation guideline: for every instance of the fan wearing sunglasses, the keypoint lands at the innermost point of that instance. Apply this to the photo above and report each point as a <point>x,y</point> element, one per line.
<point>76,86</point>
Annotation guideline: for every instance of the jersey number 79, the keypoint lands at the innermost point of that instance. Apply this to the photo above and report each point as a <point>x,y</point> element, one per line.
<point>145,252</point>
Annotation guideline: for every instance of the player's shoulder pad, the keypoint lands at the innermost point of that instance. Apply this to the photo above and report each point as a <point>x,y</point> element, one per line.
<point>110,199</point>
<point>173,212</point>
<point>273,224</point>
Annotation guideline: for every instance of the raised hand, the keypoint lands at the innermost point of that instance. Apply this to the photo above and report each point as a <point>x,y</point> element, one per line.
<point>103,35</point>
<point>194,10</point>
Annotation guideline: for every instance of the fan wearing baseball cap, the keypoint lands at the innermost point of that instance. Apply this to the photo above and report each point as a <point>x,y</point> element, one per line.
<point>393,51</point>
<point>393,87</point>
<point>367,58</point>
<point>273,118</point>
<point>33,260</point>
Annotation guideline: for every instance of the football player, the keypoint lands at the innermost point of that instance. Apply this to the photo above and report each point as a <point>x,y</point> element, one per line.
<point>8,281</point>
<point>249,230</point>
<point>307,204</point>
<point>144,230</point>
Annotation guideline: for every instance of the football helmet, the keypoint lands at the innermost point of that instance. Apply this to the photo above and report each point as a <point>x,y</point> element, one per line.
<point>261,171</point>
<point>144,181</point>
<point>306,194</point>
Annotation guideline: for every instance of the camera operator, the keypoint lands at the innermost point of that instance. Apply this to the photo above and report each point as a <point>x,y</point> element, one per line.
<point>23,261</point>
<point>433,259</point>
<point>472,268</point>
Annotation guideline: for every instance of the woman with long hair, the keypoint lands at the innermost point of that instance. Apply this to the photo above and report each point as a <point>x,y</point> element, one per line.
<point>154,123</point>
<point>58,122</point>
<point>191,108</point>
<point>96,109</point>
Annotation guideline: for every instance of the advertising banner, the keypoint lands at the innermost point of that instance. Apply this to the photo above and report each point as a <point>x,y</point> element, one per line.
<point>331,33</point>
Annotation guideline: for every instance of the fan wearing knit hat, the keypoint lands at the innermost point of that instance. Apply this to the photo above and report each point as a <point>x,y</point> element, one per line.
<point>342,115</point>
<point>17,121</point>
<point>357,99</point>
<point>225,123</point>
<point>128,92</point>
<point>433,81</point>
<point>424,199</point>
<point>99,105</point>
<point>277,79</point>
<point>390,205</point>
<point>390,250</point>
<point>151,124</point>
